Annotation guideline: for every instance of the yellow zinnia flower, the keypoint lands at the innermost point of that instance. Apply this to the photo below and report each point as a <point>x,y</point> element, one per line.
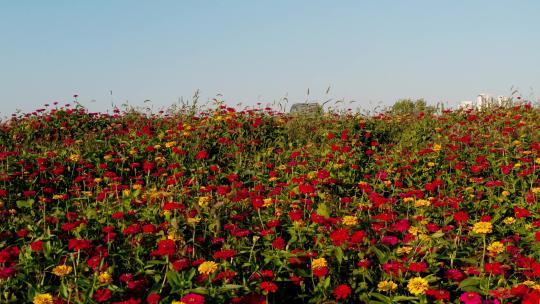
<point>349,220</point>
<point>532,284</point>
<point>62,270</point>
<point>170,144</point>
<point>386,286</point>
<point>417,286</point>
<point>403,250</point>
<point>414,230</point>
<point>422,203</point>
<point>193,220</point>
<point>203,201</point>
<point>267,202</point>
<point>496,247</point>
<point>104,278</point>
<point>482,228</point>
<point>318,263</point>
<point>208,267</point>
<point>74,157</point>
<point>43,299</point>
<point>509,220</point>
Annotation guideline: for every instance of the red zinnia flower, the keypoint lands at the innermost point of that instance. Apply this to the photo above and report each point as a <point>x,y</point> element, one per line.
<point>153,298</point>
<point>79,244</point>
<point>279,243</point>
<point>418,267</point>
<point>339,236</point>
<point>358,237</point>
<point>454,274</point>
<point>306,188</point>
<point>521,212</point>
<point>102,295</point>
<point>173,206</point>
<point>225,254</point>
<point>390,240</point>
<point>192,298</point>
<point>531,297</point>
<point>267,286</point>
<point>201,155</point>
<point>36,246</point>
<point>149,228</point>
<point>439,294</point>
<point>165,247</point>
<point>461,216</point>
<point>320,271</point>
<point>342,292</point>
<point>181,264</point>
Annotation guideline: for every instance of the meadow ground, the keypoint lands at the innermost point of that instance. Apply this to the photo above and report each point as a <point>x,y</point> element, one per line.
<point>257,206</point>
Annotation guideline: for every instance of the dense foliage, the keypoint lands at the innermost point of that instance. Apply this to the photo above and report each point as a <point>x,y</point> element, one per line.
<point>255,206</point>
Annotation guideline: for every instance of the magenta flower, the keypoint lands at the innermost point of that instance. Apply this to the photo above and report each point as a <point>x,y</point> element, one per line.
<point>471,298</point>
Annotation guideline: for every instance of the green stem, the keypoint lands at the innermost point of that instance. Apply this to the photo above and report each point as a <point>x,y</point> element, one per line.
<point>483,253</point>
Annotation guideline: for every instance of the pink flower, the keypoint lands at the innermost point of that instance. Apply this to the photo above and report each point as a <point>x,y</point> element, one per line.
<point>7,272</point>
<point>470,298</point>
<point>390,240</point>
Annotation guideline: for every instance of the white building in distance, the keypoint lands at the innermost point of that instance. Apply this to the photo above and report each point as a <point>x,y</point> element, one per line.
<point>485,101</point>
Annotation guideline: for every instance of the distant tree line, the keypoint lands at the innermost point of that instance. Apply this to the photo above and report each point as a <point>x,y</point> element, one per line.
<point>410,106</point>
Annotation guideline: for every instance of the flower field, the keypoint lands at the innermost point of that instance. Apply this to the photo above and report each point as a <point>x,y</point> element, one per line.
<point>257,206</point>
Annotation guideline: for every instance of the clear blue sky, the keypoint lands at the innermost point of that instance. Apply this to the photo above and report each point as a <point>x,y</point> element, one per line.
<point>260,51</point>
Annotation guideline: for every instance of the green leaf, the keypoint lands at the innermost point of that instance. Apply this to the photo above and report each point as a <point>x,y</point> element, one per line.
<point>381,256</point>
<point>403,298</point>
<point>437,234</point>
<point>91,213</point>
<point>174,278</point>
<point>322,210</point>
<point>469,282</point>
<point>339,254</point>
<point>25,204</point>
<point>199,290</point>
<point>63,290</point>
<point>230,287</point>
<point>381,297</point>
<point>326,282</point>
